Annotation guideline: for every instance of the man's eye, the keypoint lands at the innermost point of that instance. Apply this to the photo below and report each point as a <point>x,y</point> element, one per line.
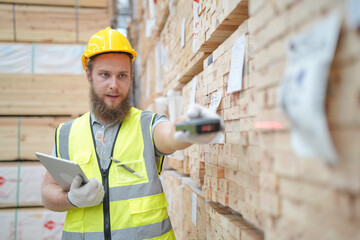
<point>122,75</point>
<point>105,75</point>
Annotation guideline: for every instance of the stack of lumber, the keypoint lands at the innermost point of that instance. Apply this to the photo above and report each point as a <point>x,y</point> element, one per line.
<point>232,168</point>
<point>306,196</point>
<point>22,136</point>
<point>151,82</point>
<point>144,34</point>
<point>39,90</point>
<point>173,187</point>
<point>253,184</point>
<point>186,208</point>
<point>180,165</point>
<point>207,165</point>
<point>162,13</point>
<point>177,38</point>
<point>194,155</point>
<point>146,26</point>
<point>70,3</point>
<point>222,224</point>
<point>43,94</point>
<point>53,21</point>
<point>196,163</point>
<point>194,211</point>
<point>218,20</point>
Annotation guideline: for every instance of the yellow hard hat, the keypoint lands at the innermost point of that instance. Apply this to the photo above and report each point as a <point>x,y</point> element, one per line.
<point>107,40</point>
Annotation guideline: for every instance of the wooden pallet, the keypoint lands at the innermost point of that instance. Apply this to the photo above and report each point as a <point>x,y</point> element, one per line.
<point>42,94</point>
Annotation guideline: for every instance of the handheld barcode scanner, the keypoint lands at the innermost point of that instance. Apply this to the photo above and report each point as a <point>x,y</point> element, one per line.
<point>198,126</point>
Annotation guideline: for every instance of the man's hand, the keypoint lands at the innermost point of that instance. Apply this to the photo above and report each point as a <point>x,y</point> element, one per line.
<point>87,195</point>
<point>198,111</point>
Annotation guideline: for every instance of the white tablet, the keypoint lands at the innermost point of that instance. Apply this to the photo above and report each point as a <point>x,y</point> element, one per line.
<point>63,171</point>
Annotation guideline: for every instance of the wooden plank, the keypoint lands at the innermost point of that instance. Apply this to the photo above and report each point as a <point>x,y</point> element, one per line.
<point>72,3</point>
<point>45,24</point>
<point>173,188</point>
<point>149,89</point>
<point>194,67</point>
<point>181,166</point>
<point>227,225</point>
<point>42,94</point>
<point>194,221</point>
<point>183,63</point>
<point>21,137</point>
<point>162,13</point>
<point>37,134</point>
<point>9,138</point>
<point>6,22</point>
<point>218,21</point>
<point>92,20</point>
<point>59,24</point>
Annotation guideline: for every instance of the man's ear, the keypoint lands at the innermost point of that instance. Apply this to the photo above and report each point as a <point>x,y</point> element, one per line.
<point>88,74</point>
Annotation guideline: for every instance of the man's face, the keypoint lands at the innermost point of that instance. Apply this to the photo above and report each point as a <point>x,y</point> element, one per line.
<point>110,81</point>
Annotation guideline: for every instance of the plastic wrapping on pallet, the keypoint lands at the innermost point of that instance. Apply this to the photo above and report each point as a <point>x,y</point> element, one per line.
<point>20,184</point>
<point>41,58</point>
<point>31,224</point>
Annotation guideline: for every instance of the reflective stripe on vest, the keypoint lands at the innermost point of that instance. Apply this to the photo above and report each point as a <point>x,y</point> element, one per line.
<point>137,205</point>
<point>65,131</point>
<point>151,231</point>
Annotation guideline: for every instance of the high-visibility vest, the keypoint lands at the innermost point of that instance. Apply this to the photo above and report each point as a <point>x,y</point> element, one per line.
<point>133,207</point>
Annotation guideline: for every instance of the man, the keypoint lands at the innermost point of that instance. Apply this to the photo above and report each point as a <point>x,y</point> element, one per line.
<point>120,149</point>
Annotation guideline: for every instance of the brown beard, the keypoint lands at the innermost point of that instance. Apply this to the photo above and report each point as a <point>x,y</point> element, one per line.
<point>105,113</point>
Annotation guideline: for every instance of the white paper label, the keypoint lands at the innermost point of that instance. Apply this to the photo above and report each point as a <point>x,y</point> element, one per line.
<point>215,101</point>
<point>353,13</point>
<point>148,78</point>
<point>194,208</point>
<point>175,105</point>
<point>159,76</point>
<point>214,104</point>
<point>196,21</point>
<point>193,90</point>
<point>38,58</point>
<point>152,9</point>
<point>183,32</point>
<point>237,65</point>
<point>303,91</point>
<point>148,28</point>
<point>219,139</point>
<point>164,58</point>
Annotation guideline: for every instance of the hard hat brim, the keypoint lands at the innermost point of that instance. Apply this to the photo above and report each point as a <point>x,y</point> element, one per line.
<point>85,58</point>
